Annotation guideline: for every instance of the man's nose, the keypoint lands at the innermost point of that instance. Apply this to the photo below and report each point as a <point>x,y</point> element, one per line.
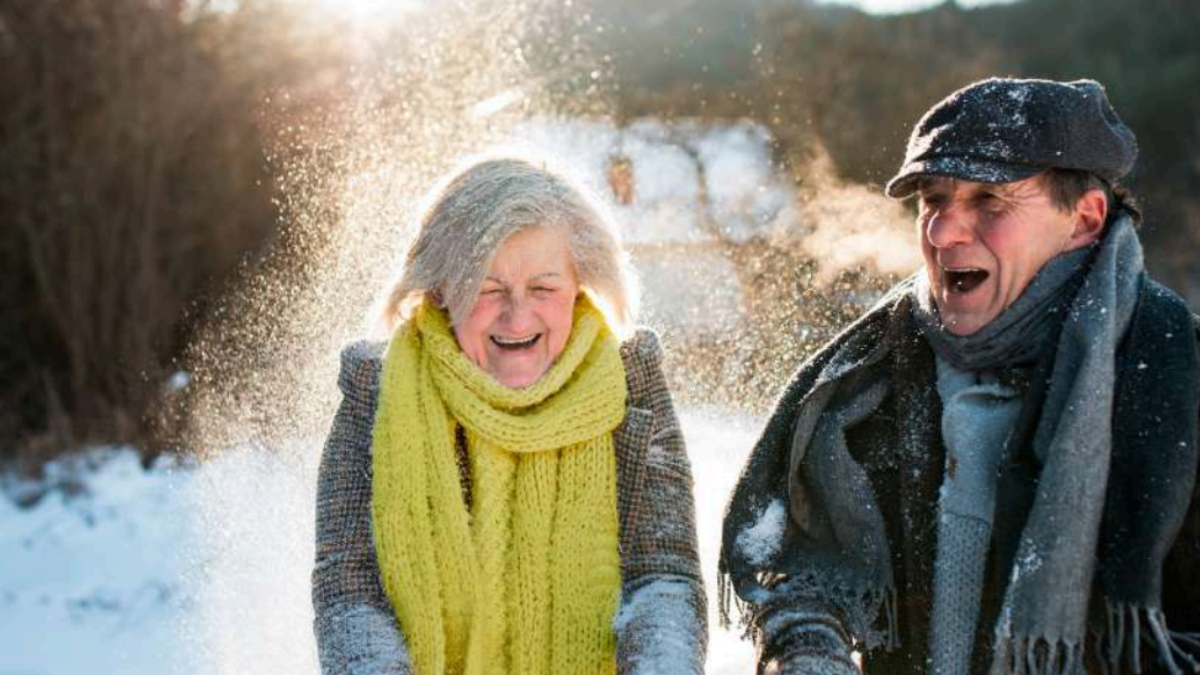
<point>949,226</point>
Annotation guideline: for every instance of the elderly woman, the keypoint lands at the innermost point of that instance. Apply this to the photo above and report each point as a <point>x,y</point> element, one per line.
<point>505,487</point>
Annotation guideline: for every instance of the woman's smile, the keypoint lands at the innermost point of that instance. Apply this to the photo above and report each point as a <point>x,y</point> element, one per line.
<point>515,343</point>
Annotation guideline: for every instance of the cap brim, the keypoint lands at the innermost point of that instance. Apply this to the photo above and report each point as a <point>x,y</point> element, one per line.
<point>965,168</point>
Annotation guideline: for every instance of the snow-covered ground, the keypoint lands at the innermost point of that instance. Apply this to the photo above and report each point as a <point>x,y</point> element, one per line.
<point>203,568</point>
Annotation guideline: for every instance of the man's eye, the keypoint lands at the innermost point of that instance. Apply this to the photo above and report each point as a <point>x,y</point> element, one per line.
<point>543,290</point>
<point>492,291</point>
<point>993,203</point>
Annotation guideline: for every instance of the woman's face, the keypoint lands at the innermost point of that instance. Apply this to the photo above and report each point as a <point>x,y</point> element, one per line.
<point>522,317</point>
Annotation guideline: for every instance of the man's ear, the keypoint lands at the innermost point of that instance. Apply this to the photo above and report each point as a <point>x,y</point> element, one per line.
<point>1091,212</point>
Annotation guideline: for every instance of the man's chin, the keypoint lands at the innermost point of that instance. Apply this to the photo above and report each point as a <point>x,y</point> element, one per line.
<point>963,324</point>
<point>964,314</point>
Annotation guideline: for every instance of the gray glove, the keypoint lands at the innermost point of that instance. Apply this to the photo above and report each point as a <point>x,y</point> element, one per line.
<point>810,663</point>
<point>796,641</point>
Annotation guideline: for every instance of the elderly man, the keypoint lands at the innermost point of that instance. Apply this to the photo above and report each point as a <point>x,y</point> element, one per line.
<point>994,469</point>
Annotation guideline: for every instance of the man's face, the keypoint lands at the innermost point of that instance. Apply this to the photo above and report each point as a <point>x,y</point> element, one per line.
<point>984,242</point>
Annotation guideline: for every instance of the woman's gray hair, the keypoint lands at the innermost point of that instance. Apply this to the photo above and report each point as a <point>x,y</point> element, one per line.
<point>475,210</point>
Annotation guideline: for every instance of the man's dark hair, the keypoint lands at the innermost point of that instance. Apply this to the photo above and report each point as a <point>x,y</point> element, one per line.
<point>1066,186</point>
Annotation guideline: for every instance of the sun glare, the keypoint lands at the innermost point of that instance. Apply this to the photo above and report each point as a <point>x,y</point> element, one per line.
<point>902,6</point>
<point>365,9</point>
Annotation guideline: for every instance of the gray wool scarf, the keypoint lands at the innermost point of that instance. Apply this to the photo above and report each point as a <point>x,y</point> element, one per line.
<point>1021,333</point>
<point>833,548</point>
<point>1056,555</point>
<point>1019,337</point>
<point>979,414</point>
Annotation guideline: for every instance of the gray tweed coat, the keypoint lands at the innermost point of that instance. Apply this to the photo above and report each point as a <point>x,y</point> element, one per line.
<point>661,625</point>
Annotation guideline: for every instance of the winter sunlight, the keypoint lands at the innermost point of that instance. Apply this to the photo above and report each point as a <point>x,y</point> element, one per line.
<point>205,202</point>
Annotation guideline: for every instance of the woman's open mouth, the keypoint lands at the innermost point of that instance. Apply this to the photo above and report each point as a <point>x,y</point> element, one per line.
<point>516,344</point>
<point>963,280</point>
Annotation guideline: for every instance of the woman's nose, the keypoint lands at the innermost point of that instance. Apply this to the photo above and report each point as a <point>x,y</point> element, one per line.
<point>518,314</point>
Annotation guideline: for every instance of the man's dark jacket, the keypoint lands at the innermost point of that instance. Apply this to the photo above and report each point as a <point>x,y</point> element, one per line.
<point>901,449</point>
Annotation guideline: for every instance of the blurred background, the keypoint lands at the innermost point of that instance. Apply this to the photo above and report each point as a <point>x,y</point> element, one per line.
<point>155,154</point>
<point>199,202</point>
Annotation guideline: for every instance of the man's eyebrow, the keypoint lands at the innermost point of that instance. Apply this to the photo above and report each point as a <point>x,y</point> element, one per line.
<point>1009,191</point>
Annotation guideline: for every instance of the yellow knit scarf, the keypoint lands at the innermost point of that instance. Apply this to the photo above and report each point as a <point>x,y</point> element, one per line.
<point>529,580</point>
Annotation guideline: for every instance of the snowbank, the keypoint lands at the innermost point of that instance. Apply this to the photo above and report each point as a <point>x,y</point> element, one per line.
<point>91,576</point>
<point>203,569</point>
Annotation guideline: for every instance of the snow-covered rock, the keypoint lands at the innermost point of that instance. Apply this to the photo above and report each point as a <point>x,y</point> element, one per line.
<point>682,194</point>
<point>693,181</point>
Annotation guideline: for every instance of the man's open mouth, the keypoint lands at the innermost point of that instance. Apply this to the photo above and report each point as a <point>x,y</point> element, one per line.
<point>516,343</point>
<point>964,280</point>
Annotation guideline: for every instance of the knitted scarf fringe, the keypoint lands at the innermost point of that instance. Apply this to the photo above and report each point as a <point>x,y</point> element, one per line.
<point>1036,656</point>
<point>1118,647</point>
<point>1127,625</point>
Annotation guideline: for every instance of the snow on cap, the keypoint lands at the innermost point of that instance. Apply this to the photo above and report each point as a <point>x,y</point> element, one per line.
<point>1002,130</point>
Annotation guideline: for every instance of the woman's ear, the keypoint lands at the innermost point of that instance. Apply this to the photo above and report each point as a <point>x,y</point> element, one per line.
<point>1091,212</point>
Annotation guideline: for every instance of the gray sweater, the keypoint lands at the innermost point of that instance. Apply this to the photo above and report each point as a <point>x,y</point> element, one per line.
<point>661,626</point>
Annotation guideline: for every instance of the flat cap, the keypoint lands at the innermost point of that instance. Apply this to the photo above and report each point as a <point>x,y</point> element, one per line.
<point>1003,130</point>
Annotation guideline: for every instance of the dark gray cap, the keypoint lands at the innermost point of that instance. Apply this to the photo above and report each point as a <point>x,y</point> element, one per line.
<point>1003,130</point>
